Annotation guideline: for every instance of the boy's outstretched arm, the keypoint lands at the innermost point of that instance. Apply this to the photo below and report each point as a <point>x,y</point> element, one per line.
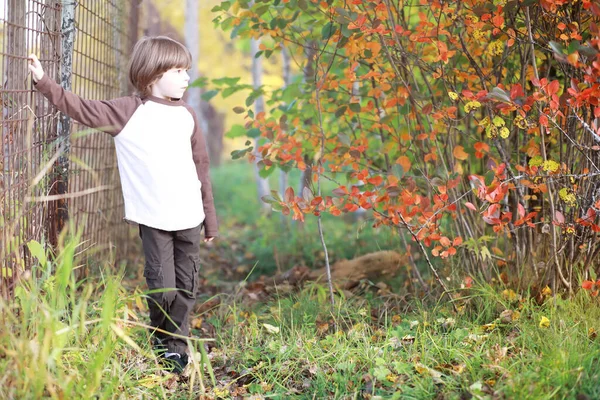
<point>109,116</point>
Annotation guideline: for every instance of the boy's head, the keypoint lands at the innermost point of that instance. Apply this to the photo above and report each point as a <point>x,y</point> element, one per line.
<point>152,57</point>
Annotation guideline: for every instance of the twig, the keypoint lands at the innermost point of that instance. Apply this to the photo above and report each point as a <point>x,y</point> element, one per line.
<point>68,195</point>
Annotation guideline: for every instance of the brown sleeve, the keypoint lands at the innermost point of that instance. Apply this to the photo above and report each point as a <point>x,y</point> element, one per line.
<point>211,228</point>
<point>109,116</point>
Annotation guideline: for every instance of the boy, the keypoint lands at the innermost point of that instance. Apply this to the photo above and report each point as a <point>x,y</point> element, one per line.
<point>164,171</point>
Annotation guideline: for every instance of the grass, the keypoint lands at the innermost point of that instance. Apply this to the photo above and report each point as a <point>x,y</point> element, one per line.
<point>69,339</point>
<point>66,338</point>
<point>296,346</point>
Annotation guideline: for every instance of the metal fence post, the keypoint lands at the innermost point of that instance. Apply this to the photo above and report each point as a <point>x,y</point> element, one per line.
<point>61,168</point>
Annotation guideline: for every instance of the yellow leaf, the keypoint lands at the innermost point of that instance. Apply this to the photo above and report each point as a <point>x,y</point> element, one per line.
<point>544,322</point>
<point>509,294</point>
<point>547,291</point>
<point>459,153</point>
<point>271,328</point>
<point>197,323</point>
<point>489,327</point>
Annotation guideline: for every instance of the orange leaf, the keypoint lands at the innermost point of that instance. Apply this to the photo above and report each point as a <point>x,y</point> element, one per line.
<point>444,241</point>
<point>376,180</point>
<point>404,163</point>
<point>459,153</point>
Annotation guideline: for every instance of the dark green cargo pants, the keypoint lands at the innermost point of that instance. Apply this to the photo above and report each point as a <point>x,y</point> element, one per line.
<point>172,261</point>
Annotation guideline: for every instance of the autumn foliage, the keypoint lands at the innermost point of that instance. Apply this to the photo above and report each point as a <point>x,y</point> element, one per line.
<point>473,125</point>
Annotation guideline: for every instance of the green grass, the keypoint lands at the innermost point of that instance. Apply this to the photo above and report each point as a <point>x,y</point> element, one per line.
<point>69,339</point>
<point>364,346</point>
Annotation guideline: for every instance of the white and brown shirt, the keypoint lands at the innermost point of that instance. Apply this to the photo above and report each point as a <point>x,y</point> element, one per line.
<point>161,154</point>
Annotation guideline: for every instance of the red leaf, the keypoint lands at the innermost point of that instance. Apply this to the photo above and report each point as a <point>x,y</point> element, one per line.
<point>341,191</point>
<point>289,195</point>
<point>470,206</point>
<point>468,281</point>
<point>553,87</point>
<point>559,218</point>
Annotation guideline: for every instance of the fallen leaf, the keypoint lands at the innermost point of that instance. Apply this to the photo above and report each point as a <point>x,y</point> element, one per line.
<point>271,328</point>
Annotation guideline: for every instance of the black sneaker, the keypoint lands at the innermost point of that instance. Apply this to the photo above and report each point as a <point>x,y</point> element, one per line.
<point>175,362</point>
<point>158,345</point>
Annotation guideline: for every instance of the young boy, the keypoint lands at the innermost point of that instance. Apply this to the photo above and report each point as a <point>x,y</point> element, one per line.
<point>164,171</point>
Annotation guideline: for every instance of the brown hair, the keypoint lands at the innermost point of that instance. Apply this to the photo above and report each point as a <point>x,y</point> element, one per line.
<point>152,57</point>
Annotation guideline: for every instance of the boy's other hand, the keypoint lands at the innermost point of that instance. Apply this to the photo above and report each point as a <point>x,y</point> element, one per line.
<point>35,67</point>
<point>208,239</point>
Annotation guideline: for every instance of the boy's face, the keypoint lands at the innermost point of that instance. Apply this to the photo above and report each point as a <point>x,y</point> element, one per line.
<point>172,84</point>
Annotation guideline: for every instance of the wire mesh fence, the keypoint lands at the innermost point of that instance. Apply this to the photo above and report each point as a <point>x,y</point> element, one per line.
<point>53,170</point>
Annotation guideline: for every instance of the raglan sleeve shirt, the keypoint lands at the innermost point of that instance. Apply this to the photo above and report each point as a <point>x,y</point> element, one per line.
<point>158,186</point>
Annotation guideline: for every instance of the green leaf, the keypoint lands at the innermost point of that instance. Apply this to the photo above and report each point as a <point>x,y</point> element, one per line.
<point>240,153</point>
<point>381,373</point>
<point>276,194</point>
<point>253,133</point>
<point>229,91</point>
<point>38,251</point>
<point>573,47</point>
<point>226,81</point>
<point>253,96</point>
<point>355,107</point>
<point>239,110</point>
<point>236,131</point>
<point>262,9</point>
<point>344,139</point>
<point>199,82</point>
<point>557,47</point>
<point>207,96</point>
<point>340,111</point>
<point>327,31</point>
<point>268,199</point>
<point>264,173</point>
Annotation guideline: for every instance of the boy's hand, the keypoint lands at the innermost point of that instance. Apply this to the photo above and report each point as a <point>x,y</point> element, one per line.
<point>208,239</point>
<point>35,67</point>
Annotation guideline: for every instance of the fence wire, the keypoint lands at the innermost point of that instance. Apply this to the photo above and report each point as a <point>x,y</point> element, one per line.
<point>52,169</point>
